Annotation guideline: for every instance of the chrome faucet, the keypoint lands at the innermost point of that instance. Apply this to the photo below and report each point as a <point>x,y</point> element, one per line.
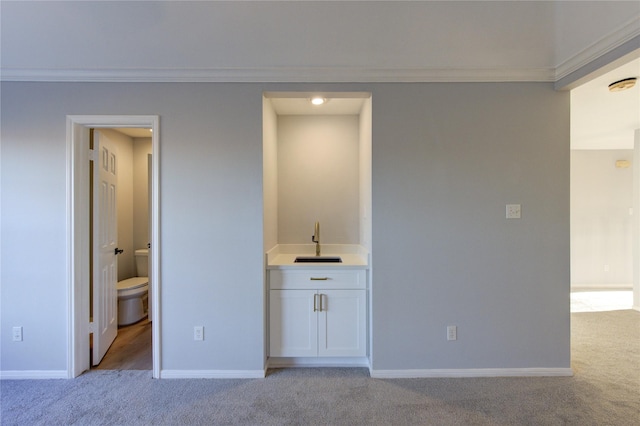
<point>316,238</point>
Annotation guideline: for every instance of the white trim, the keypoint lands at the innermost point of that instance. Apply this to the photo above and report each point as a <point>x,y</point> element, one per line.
<point>212,374</point>
<point>70,232</point>
<point>33,374</point>
<point>77,209</point>
<point>275,362</point>
<point>77,242</point>
<point>635,221</point>
<point>281,75</point>
<point>601,287</point>
<point>608,43</point>
<point>472,372</point>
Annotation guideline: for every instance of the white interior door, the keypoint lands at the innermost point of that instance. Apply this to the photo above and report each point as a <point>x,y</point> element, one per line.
<point>105,246</point>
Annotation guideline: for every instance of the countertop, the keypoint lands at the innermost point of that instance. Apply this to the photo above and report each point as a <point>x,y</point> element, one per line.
<point>283,256</point>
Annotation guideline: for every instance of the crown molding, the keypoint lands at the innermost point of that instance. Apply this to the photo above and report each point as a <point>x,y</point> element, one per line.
<point>626,33</point>
<point>279,75</point>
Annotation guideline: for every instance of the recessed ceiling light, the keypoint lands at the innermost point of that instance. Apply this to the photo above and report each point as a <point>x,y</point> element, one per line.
<point>624,84</point>
<point>318,100</point>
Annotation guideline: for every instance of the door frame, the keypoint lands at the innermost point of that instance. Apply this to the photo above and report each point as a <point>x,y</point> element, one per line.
<point>635,227</point>
<point>77,252</point>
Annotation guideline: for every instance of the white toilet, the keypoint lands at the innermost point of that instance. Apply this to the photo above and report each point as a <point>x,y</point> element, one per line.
<point>133,293</point>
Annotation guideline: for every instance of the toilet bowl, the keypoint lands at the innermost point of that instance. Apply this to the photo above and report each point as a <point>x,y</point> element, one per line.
<point>133,293</point>
<point>132,300</point>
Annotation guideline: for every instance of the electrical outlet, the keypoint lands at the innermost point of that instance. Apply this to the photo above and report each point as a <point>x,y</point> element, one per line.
<point>514,211</point>
<point>17,334</point>
<point>452,332</point>
<point>198,332</point>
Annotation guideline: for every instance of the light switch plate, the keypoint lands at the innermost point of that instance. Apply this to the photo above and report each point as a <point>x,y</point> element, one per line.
<point>513,211</point>
<point>17,334</point>
<point>452,332</point>
<point>198,332</point>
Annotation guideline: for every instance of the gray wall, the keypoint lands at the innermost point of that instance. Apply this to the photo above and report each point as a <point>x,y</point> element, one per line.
<point>446,158</point>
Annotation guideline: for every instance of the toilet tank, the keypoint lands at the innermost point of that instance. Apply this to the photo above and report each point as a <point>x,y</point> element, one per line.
<point>142,265</point>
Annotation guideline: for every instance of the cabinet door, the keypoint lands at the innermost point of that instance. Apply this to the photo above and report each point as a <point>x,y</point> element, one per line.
<point>342,327</point>
<point>292,323</point>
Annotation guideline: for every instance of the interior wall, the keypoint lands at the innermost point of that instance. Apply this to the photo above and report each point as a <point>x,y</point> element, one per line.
<point>601,227</point>
<point>141,214</point>
<point>318,178</point>
<point>636,220</point>
<point>446,158</point>
<point>365,174</point>
<point>270,174</point>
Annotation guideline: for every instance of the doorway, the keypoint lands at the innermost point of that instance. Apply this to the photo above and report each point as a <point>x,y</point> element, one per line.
<point>78,236</point>
<point>601,229</point>
<point>121,337</point>
<point>605,232</point>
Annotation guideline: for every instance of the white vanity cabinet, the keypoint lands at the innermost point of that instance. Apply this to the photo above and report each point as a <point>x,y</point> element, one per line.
<point>317,313</point>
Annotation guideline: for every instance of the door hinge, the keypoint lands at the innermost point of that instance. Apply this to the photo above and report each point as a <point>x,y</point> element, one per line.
<point>90,327</point>
<point>93,155</point>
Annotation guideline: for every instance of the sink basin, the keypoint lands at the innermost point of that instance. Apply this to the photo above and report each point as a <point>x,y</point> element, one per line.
<point>318,259</point>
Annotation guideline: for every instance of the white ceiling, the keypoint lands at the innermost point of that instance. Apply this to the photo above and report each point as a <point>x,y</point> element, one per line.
<point>606,120</point>
<point>134,132</point>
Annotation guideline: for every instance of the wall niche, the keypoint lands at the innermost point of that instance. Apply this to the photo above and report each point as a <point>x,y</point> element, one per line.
<point>317,167</point>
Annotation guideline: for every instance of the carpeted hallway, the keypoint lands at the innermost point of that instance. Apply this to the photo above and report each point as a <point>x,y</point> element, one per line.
<point>605,390</point>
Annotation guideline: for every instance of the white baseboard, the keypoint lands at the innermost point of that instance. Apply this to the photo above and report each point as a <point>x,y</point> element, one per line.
<point>602,287</point>
<point>471,372</point>
<point>212,374</point>
<point>301,362</point>
<point>33,374</point>
<point>317,362</point>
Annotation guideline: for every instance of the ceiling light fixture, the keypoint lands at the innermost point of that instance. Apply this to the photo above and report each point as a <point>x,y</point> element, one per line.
<point>624,84</point>
<point>318,100</point>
